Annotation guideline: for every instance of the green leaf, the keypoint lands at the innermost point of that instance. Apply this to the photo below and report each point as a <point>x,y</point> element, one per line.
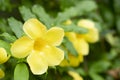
<point>95,76</point>
<point>69,46</point>
<point>8,37</point>
<point>5,45</point>
<point>118,23</point>
<point>4,26</point>
<point>108,16</point>
<point>100,66</point>
<point>73,28</point>
<point>6,5</point>
<point>16,26</point>
<point>42,15</point>
<point>111,55</point>
<point>65,51</point>
<point>64,3</point>
<point>78,10</point>
<point>116,4</point>
<point>21,72</point>
<point>26,13</point>
<point>80,71</point>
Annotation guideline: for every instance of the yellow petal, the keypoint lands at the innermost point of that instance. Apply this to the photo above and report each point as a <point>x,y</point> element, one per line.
<point>86,23</point>
<point>54,36</point>
<point>2,74</point>
<point>73,61</point>
<point>82,47</point>
<point>37,63</point>
<point>92,36</point>
<point>22,47</point>
<point>53,55</point>
<point>79,43</point>
<point>64,63</point>
<point>39,44</point>
<point>34,28</point>
<point>3,56</point>
<point>93,33</point>
<point>75,75</point>
<point>71,36</point>
<point>68,22</point>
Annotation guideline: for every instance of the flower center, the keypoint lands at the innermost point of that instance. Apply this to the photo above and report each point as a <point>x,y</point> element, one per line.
<point>39,44</point>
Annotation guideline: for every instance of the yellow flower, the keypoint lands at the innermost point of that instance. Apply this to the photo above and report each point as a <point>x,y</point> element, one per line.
<point>39,46</point>
<point>81,46</point>
<point>68,22</point>
<point>75,75</point>
<point>93,33</point>
<point>3,56</point>
<point>73,61</point>
<point>2,74</point>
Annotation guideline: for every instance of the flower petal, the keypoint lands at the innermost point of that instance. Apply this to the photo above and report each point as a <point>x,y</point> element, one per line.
<point>53,55</point>
<point>68,22</point>
<point>82,47</point>
<point>54,36</point>
<point>86,23</point>
<point>73,61</point>
<point>3,56</point>
<point>71,36</point>
<point>22,47</point>
<point>75,75</point>
<point>92,36</point>
<point>34,28</point>
<point>93,33</point>
<point>37,63</point>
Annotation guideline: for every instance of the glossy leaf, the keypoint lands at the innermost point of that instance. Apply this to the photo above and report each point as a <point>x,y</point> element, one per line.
<point>16,26</point>
<point>26,13</point>
<point>5,45</point>
<point>8,37</point>
<point>69,46</point>
<point>78,10</point>
<point>100,66</point>
<point>21,72</point>
<point>73,28</point>
<point>42,15</point>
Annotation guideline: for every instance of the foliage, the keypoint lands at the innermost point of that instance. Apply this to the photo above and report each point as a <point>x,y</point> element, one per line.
<point>103,61</point>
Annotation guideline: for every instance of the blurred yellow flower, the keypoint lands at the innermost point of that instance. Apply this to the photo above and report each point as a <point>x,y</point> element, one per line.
<point>93,33</point>
<point>2,74</point>
<point>68,22</point>
<point>80,41</point>
<point>75,75</point>
<point>81,46</point>
<point>73,61</point>
<point>39,46</point>
<point>3,56</point>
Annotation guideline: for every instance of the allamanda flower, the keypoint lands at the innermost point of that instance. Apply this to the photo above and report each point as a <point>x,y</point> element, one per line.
<point>80,41</point>
<point>93,34</point>
<point>73,60</point>
<point>81,47</point>
<point>39,46</point>
<point>3,58</point>
<point>3,55</point>
<point>80,44</point>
